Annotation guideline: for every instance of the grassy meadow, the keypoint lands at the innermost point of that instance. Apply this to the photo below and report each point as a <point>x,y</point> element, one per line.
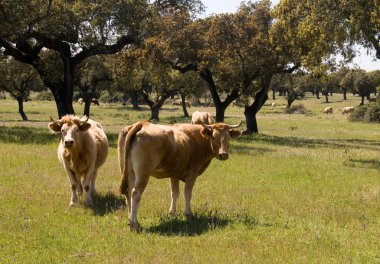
<point>306,189</point>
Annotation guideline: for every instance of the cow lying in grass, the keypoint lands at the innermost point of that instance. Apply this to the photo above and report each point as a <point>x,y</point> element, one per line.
<point>179,152</point>
<point>82,150</point>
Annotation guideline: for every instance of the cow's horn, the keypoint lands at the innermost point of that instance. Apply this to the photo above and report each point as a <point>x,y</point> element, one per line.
<point>235,126</point>
<point>54,121</point>
<point>207,126</point>
<point>84,119</point>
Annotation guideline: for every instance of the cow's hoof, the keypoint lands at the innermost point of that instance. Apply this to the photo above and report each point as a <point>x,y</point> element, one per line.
<point>72,204</point>
<point>134,227</point>
<point>88,203</point>
<point>172,213</point>
<point>189,217</point>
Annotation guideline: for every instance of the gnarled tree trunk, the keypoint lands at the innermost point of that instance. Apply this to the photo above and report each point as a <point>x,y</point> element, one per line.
<point>20,101</point>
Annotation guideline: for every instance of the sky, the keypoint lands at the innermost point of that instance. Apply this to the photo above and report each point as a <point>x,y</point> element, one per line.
<point>363,60</point>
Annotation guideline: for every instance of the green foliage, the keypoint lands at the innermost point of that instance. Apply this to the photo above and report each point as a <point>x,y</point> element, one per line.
<point>369,113</point>
<point>45,96</point>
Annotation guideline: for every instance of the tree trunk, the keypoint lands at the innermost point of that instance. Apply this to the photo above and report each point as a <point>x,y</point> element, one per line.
<point>317,94</point>
<point>291,99</point>
<point>134,99</point>
<point>274,94</point>
<point>60,106</point>
<point>344,94</point>
<point>362,102</point>
<point>220,110</point>
<point>327,97</point>
<point>155,110</point>
<point>251,111</point>
<point>67,89</point>
<point>87,105</point>
<point>21,108</point>
<point>185,113</point>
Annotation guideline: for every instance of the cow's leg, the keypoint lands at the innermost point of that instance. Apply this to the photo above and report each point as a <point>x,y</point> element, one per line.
<point>74,185</point>
<point>79,188</point>
<point>189,184</point>
<point>92,183</point>
<point>139,187</point>
<point>175,194</point>
<point>86,184</point>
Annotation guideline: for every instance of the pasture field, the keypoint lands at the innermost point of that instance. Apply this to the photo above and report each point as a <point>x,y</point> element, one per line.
<point>306,189</point>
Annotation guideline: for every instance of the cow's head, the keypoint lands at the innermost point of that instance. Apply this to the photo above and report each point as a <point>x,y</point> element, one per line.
<point>69,126</point>
<point>220,135</point>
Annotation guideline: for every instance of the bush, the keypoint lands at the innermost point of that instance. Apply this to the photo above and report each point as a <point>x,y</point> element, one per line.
<point>45,96</point>
<point>296,109</point>
<point>115,97</point>
<point>369,113</point>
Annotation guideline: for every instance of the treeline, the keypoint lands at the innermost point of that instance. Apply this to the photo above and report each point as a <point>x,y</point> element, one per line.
<point>157,49</point>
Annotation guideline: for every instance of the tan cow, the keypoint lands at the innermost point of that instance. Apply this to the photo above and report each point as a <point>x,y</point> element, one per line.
<point>82,150</point>
<point>80,101</point>
<point>202,118</point>
<point>179,152</point>
<point>273,104</point>
<point>347,110</point>
<point>328,110</point>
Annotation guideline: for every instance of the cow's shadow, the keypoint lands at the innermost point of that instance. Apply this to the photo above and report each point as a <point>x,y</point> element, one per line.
<point>179,226</point>
<point>107,203</point>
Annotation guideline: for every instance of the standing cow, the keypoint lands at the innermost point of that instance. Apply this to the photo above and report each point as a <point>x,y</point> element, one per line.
<point>179,152</point>
<point>202,118</point>
<point>82,150</point>
<point>328,110</point>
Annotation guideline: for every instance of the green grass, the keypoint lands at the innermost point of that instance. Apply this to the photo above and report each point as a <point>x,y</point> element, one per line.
<point>304,190</point>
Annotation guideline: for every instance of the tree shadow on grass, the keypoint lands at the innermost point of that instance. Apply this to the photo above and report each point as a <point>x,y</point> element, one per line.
<point>26,135</point>
<point>106,204</point>
<point>299,142</point>
<point>363,163</point>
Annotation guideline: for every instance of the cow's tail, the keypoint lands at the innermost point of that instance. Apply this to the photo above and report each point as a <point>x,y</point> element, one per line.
<point>125,140</point>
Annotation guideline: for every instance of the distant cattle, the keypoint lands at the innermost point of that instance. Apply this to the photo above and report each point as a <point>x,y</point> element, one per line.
<point>80,101</point>
<point>82,150</point>
<point>179,152</point>
<point>95,101</point>
<point>328,110</point>
<point>347,110</point>
<point>372,100</point>
<point>202,118</point>
<point>273,104</point>
<point>180,104</point>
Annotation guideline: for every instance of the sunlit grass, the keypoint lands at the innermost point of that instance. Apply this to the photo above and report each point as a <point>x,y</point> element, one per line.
<point>306,189</point>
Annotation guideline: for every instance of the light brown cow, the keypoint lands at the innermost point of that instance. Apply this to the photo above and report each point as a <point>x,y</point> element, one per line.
<point>347,110</point>
<point>80,101</point>
<point>95,101</point>
<point>202,118</point>
<point>82,150</point>
<point>179,152</point>
<point>273,104</point>
<point>328,110</point>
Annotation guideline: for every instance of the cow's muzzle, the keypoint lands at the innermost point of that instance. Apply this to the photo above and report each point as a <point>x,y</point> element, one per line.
<point>69,143</point>
<point>222,156</point>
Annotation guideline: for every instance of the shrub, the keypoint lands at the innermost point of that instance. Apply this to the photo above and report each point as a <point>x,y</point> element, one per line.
<point>45,96</point>
<point>296,109</point>
<point>366,113</point>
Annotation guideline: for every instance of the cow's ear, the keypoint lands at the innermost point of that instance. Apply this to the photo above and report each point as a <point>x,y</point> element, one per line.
<point>235,133</point>
<point>55,127</point>
<point>206,132</point>
<point>84,127</point>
